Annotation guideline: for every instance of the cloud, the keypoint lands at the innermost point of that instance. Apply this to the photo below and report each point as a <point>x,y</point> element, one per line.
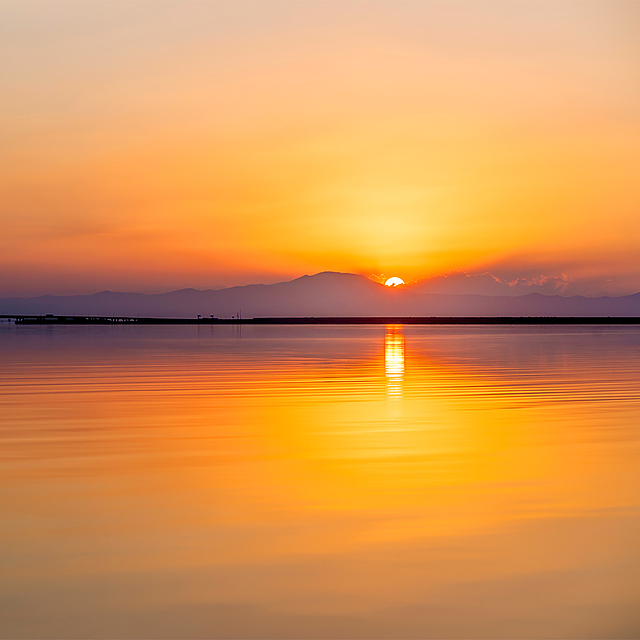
<point>557,283</point>
<point>488,283</point>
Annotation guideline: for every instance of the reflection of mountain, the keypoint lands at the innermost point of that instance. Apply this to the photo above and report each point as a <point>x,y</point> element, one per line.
<point>324,294</point>
<point>528,357</point>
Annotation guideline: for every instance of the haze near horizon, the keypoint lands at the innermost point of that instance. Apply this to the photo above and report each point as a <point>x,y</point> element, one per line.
<point>154,146</point>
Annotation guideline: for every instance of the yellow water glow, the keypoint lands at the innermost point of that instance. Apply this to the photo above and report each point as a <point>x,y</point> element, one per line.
<point>416,482</point>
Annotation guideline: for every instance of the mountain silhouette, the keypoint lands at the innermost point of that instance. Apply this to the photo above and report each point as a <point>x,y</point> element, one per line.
<point>323,294</point>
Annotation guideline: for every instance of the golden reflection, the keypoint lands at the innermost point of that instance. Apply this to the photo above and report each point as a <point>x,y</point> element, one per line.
<point>394,359</point>
<point>308,491</point>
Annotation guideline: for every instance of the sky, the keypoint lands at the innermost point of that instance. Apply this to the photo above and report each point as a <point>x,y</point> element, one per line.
<point>151,146</point>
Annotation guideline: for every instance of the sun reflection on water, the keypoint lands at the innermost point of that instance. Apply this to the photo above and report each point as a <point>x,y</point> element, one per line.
<point>394,359</point>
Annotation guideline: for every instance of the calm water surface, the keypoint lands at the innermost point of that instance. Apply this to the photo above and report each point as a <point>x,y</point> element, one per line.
<point>318,482</point>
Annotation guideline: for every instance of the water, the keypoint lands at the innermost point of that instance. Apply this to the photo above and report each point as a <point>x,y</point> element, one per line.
<point>319,482</point>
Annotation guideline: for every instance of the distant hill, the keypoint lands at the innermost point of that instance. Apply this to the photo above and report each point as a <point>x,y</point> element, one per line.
<point>323,294</point>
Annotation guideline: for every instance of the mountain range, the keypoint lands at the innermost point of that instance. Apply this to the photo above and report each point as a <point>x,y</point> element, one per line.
<point>323,294</point>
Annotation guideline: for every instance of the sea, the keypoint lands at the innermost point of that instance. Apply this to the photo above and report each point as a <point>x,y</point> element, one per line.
<point>319,481</point>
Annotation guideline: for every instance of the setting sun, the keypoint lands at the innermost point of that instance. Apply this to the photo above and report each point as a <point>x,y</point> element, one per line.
<point>217,421</point>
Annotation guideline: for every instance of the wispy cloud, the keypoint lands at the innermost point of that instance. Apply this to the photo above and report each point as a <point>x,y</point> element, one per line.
<point>558,283</point>
<point>488,283</point>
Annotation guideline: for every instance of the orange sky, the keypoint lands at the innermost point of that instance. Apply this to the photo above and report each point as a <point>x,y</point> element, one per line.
<point>154,146</point>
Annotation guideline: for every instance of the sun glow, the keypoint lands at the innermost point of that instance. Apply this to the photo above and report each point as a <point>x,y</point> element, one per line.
<point>393,282</point>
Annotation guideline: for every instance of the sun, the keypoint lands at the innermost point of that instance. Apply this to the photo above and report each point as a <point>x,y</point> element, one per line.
<point>393,282</point>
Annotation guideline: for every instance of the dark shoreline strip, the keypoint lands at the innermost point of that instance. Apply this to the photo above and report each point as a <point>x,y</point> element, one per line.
<point>518,320</point>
